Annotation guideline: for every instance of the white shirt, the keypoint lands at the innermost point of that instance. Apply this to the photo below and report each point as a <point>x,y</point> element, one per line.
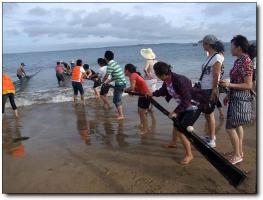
<point>207,80</point>
<point>102,72</point>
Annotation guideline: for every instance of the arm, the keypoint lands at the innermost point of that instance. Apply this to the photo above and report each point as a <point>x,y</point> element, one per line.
<point>161,92</point>
<point>146,69</point>
<point>105,78</point>
<point>89,73</point>
<point>216,74</point>
<point>247,85</point>
<point>108,73</point>
<point>132,87</point>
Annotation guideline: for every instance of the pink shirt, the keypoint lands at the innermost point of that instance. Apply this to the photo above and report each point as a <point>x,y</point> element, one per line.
<point>59,69</point>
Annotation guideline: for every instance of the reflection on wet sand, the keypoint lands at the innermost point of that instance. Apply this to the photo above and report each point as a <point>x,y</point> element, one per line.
<point>12,139</point>
<point>83,124</point>
<point>120,136</point>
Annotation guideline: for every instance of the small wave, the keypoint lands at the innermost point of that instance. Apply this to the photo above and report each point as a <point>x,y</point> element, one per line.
<point>56,95</point>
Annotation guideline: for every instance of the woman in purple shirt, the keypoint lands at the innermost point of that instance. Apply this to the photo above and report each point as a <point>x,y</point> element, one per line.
<point>180,88</point>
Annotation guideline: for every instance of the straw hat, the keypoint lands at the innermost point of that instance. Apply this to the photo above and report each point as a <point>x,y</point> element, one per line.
<point>148,53</point>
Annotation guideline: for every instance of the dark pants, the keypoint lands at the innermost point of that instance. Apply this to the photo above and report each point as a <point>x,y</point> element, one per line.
<point>186,119</point>
<point>11,97</point>
<point>77,87</point>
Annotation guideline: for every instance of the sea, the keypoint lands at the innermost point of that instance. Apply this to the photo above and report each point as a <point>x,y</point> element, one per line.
<point>42,88</point>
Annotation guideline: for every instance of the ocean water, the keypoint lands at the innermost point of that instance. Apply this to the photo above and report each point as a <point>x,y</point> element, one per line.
<point>42,88</point>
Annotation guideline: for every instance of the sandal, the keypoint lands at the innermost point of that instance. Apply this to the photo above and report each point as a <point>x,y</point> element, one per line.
<point>235,160</point>
<point>231,154</point>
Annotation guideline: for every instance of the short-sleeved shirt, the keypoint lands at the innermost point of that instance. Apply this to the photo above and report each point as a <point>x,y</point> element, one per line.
<point>242,68</point>
<point>59,69</point>
<point>207,80</point>
<point>102,72</point>
<point>140,85</point>
<point>116,72</point>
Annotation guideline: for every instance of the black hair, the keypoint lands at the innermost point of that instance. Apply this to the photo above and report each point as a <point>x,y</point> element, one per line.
<point>218,46</point>
<point>79,62</point>
<point>242,42</point>
<point>162,68</point>
<point>102,62</point>
<point>58,63</point>
<point>131,68</point>
<point>109,55</point>
<point>86,67</point>
<point>252,51</point>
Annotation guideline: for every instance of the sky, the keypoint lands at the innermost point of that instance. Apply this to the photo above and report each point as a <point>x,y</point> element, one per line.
<point>60,26</point>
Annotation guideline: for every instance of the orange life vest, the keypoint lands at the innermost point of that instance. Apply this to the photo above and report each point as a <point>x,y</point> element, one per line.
<point>76,74</point>
<point>8,85</point>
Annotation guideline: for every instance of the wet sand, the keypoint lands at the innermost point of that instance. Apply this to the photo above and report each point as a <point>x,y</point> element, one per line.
<point>76,150</point>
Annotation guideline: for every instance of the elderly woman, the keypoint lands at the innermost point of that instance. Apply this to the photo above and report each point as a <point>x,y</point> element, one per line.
<point>239,98</point>
<point>210,76</point>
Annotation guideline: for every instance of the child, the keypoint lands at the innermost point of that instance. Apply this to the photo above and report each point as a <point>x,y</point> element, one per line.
<point>138,84</point>
<point>92,75</point>
<point>105,87</point>
<point>76,78</point>
<point>180,88</point>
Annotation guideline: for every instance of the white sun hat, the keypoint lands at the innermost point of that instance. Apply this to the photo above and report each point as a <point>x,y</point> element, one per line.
<point>148,53</point>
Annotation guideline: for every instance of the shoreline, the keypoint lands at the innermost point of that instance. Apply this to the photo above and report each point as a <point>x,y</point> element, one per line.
<point>58,158</point>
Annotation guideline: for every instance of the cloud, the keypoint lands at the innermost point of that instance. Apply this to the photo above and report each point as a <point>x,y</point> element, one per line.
<point>235,9</point>
<point>9,8</point>
<point>12,32</point>
<point>107,23</point>
<point>139,23</point>
<point>38,11</point>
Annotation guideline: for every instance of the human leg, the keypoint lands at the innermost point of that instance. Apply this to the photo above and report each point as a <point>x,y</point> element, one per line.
<point>117,94</point>
<point>240,133</point>
<point>143,120</point>
<point>210,118</point>
<point>187,147</point>
<point>13,104</point>
<point>172,143</point>
<point>236,157</point>
<point>4,99</point>
<point>220,109</point>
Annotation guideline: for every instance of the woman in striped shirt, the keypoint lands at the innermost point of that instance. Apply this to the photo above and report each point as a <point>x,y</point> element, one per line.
<point>239,99</point>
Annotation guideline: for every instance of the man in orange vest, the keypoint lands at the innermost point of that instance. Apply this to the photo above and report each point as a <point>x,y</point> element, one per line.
<point>8,92</point>
<point>76,78</point>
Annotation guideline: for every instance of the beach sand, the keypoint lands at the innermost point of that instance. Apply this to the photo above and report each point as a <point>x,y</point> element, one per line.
<point>76,150</point>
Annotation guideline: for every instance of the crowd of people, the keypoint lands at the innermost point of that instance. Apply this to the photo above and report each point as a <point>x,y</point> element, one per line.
<point>191,100</point>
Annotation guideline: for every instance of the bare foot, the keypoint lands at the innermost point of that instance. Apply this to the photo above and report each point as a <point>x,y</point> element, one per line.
<point>186,160</point>
<point>120,118</point>
<point>143,131</point>
<point>170,145</point>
